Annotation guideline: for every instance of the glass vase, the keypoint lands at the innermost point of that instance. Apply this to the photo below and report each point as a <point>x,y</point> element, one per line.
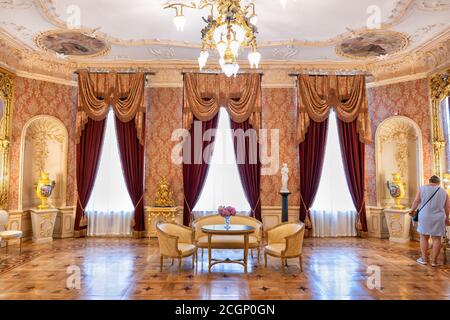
<point>227,222</point>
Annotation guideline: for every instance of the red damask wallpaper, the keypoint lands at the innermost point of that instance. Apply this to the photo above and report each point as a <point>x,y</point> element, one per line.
<point>410,99</point>
<point>32,98</point>
<point>164,115</point>
<point>279,113</point>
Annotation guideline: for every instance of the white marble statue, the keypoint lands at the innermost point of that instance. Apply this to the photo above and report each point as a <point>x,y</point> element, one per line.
<point>284,178</point>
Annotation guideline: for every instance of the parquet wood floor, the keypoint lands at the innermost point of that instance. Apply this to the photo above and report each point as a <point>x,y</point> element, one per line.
<point>129,269</point>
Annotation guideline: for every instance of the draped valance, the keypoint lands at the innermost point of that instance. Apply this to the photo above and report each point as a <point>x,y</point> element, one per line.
<point>346,94</point>
<point>204,94</point>
<point>123,92</point>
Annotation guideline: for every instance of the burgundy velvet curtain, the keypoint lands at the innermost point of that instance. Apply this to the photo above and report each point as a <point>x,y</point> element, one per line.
<point>247,157</point>
<point>89,150</point>
<point>195,168</point>
<point>311,156</point>
<point>132,159</point>
<point>353,158</point>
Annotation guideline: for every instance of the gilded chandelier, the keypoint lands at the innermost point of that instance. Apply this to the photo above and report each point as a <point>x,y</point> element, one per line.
<point>230,26</point>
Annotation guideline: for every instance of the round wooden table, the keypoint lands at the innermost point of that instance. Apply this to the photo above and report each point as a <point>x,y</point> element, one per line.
<point>233,230</point>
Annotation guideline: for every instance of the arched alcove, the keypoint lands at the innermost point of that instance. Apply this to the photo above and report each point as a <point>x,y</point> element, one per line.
<point>398,150</point>
<point>44,143</point>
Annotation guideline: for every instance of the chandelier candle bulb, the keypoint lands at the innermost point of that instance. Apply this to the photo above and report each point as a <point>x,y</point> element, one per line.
<point>180,22</point>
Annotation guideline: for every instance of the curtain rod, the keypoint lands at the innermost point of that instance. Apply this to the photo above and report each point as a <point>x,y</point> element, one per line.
<point>218,72</point>
<point>296,74</point>
<point>151,73</point>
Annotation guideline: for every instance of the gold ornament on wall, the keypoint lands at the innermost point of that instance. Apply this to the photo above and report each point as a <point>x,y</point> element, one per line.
<point>6,107</point>
<point>440,89</point>
<point>400,133</point>
<point>164,197</point>
<point>41,132</point>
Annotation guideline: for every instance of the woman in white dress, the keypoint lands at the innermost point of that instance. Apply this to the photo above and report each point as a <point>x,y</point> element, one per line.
<point>433,218</point>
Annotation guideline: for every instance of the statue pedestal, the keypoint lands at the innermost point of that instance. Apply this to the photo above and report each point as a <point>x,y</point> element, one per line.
<point>43,222</point>
<point>399,225</point>
<point>284,206</point>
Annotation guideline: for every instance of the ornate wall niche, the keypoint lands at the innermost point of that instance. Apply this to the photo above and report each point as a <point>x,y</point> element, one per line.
<point>6,107</point>
<point>44,144</point>
<point>398,149</point>
<point>440,90</point>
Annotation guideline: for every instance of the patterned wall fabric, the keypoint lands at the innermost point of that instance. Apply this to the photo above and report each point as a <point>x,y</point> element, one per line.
<point>32,98</point>
<point>410,99</point>
<point>279,112</point>
<point>164,115</point>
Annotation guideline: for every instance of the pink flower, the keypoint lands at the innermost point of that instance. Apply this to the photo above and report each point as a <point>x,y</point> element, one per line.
<point>226,211</point>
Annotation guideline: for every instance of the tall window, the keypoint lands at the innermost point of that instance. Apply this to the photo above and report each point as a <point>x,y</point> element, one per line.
<point>110,210</point>
<point>333,213</point>
<point>223,185</point>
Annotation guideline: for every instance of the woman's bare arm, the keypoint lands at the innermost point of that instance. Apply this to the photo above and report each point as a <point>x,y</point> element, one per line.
<point>447,209</point>
<point>415,204</point>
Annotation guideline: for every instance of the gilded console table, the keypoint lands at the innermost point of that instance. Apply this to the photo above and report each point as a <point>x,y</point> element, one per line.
<point>157,214</point>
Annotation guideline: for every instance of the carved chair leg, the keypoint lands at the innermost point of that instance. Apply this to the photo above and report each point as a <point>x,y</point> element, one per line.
<point>20,245</point>
<point>172,261</point>
<point>202,253</point>
<point>301,263</point>
<point>265,259</point>
<point>285,262</point>
<point>179,264</point>
<point>193,260</point>
<point>251,253</point>
<point>282,264</point>
<point>161,261</point>
<point>259,253</point>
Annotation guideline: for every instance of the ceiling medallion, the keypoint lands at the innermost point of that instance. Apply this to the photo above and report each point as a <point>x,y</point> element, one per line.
<point>230,26</point>
<point>72,43</point>
<point>373,44</point>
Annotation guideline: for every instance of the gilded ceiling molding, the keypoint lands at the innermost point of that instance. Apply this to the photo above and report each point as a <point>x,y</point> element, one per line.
<point>36,64</point>
<point>433,5</point>
<point>400,10</point>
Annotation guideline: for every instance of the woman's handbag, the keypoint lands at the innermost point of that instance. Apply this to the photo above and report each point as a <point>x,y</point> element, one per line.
<point>416,216</point>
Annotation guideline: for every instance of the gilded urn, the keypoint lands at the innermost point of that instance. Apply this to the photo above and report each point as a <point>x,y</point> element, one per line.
<point>44,190</point>
<point>397,190</point>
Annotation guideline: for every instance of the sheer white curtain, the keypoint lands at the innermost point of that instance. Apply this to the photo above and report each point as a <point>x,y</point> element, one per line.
<point>223,185</point>
<point>110,210</point>
<point>333,213</point>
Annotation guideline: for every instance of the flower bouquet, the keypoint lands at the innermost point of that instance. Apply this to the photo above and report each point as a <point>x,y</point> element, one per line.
<point>227,212</point>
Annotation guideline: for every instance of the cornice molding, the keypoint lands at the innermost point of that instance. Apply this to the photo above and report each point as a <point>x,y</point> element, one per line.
<point>29,63</point>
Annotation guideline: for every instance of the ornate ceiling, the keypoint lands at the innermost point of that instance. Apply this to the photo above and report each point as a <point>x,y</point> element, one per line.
<point>316,33</point>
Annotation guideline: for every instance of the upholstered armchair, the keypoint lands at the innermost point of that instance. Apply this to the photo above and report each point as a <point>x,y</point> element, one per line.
<point>6,234</point>
<point>285,241</point>
<point>176,242</point>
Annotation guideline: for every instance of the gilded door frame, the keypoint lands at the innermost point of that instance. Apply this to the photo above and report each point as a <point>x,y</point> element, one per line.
<point>7,96</point>
<point>439,90</point>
